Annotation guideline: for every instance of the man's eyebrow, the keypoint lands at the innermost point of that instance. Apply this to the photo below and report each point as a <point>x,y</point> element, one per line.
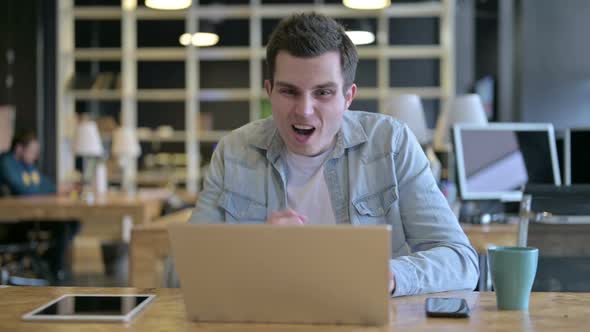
<point>326,85</point>
<point>285,84</point>
<point>319,86</point>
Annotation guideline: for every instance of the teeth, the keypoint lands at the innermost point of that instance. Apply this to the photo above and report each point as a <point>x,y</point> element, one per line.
<point>303,127</point>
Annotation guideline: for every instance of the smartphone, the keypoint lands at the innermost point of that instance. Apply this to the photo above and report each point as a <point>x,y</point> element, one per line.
<point>446,307</point>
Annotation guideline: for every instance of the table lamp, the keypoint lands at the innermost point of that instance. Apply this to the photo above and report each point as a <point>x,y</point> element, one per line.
<point>464,109</point>
<point>88,145</point>
<point>126,148</point>
<point>408,109</point>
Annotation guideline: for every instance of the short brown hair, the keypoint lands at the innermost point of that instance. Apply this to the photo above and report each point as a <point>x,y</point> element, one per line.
<point>22,137</point>
<point>310,35</point>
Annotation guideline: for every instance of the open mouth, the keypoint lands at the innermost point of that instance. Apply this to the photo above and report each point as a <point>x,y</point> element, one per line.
<point>303,130</point>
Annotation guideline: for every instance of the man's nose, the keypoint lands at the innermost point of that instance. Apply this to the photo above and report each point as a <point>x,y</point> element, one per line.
<point>305,105</point>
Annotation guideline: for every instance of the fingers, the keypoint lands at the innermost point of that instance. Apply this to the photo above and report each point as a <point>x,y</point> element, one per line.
<point>303,218</point>
<point>286,217</point>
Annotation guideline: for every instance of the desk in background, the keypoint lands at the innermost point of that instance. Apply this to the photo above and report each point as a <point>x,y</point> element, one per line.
<point>109,218</point>
<point>548,312</point>
<point>484,236</point>
<point>113,206</point>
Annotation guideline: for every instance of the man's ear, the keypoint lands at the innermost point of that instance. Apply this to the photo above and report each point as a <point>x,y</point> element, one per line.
<point>268,87</point>
<point>350,94</point>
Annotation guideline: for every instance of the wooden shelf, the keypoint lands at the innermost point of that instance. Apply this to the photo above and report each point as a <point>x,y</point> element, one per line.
<point>245,53</point>
<point>211,136</point>
<point>256,15</point>
<point>216,95</point>
<point>101,95</point>
<point>154,178</point>
<point>206,95</point>
<point>424,92</point>
<point>178,136</point>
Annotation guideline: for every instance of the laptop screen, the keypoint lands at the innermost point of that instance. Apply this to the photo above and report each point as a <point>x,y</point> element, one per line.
<point>579,156</point>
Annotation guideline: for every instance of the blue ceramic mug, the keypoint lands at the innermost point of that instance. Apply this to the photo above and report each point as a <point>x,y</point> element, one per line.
<point>513,272</point>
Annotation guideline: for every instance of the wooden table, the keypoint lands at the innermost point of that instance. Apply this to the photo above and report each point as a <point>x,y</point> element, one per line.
<point>115,212</point>
<point>141,207</point>
<point>548,312</point>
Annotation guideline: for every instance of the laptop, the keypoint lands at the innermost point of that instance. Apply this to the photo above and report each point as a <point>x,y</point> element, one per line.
<point>316,274</point>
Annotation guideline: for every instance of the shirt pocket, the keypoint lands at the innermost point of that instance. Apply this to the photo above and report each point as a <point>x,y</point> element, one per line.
<point>241,208</point>
<point>374,208</point>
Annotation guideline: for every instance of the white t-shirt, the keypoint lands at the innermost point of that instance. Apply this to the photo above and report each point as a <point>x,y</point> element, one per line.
<point>307,192</point>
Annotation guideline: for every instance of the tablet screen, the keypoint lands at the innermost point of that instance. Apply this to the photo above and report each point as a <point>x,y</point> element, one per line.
<point>112,307</point>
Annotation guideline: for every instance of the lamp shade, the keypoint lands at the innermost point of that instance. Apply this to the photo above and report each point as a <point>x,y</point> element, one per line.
<point>125,143</point>
<point>408,108</point>
<point>87,140</point>
<point>464,109</point>
<point>468,109</point>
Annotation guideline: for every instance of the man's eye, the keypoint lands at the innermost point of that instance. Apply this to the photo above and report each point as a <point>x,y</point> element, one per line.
<point>324,92</point>
<point>287,91</point>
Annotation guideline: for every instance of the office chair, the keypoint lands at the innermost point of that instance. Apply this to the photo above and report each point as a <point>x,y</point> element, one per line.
<point>559,225</point>
<point>21,261</point>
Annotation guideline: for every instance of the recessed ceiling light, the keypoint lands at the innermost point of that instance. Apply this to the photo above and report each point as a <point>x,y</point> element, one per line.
<point>366,4</point>
<point>204,39</point>
<point>361,37</point>
<point>168,4</point>
<point>200,39</point>
<point>185,39</point>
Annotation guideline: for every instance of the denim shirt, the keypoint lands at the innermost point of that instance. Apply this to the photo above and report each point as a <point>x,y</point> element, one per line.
<point>377,174</point>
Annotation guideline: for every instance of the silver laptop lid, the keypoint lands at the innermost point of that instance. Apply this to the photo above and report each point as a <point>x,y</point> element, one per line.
<point>288,274</point>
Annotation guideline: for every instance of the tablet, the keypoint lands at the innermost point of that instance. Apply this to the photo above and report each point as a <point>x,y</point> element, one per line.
<point>92,307</point>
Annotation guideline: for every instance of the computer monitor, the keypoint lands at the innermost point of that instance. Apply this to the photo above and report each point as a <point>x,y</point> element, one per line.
<point>577,158</point>
<point>495,161</point>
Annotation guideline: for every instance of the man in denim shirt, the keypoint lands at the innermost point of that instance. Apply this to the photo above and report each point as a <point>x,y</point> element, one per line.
<point>316,162</point>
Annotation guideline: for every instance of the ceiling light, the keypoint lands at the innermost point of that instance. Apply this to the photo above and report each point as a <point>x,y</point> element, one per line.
<point>366,4</point>
<point>204,39</point>
<point>168,4</point>
<point>200,39</point>
<point>361,37</point>
<point>185,39</point>
<point>360,32</point>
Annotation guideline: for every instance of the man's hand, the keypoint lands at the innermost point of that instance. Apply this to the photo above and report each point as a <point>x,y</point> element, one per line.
<point>286,217</point>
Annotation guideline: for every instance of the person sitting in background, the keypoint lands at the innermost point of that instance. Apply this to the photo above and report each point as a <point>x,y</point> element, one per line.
<point>19,176</point>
